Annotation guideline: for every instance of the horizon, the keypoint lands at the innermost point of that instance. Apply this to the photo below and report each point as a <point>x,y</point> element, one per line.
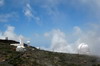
<point>59,25</point>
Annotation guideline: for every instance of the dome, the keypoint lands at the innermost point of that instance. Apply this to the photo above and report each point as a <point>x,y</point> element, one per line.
<point>82,45</point>
<point>20,49</point>
<point>83,48</point>
<point>28,42</point>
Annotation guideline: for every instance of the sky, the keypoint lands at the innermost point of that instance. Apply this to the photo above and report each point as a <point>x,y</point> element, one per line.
<point>55,25</point>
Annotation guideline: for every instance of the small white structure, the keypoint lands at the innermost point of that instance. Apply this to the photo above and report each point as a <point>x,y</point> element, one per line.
<point>38,47</point>
<point>20,47</point>
<point>28,43</point>
<point>83,49</point>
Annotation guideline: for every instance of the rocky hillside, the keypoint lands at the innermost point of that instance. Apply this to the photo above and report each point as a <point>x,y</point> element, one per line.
<point>36,57</point>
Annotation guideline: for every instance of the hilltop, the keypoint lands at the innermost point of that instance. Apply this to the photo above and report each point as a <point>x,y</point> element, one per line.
<point>38,57</point>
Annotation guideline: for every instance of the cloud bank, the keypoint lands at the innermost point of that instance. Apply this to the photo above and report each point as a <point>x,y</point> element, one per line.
<point>9,32</point>
<point>60,41</point>
<point>91,37</point>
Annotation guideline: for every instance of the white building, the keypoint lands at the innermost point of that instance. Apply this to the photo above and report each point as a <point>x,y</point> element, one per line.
<point>83,49</point>
<point>20,47</point>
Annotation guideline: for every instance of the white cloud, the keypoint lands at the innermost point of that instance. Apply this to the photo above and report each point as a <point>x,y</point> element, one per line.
<point>9,32</point>
<point>91,37</point>
<point>58,41</point>
<point>52,6</point>
<point>1,2</point>
<point>30,13</point>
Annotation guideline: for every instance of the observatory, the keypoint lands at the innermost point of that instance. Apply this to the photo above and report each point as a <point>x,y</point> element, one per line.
<point>28,43</point>
<point>20,47</point>
<point>83,49</point>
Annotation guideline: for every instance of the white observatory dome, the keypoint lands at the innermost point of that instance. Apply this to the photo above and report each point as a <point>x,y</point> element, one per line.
<point>83,48</point>
<point>28,42</point>
<point>20,49</point>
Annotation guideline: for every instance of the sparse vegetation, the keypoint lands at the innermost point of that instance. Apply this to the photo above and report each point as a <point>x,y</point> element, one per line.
<point>9,57</point>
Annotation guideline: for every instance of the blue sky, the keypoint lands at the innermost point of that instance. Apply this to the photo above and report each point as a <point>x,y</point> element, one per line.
<point>40,20</point>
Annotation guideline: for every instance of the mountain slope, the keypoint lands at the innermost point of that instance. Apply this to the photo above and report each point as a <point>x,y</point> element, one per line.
<point>37,57</point>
